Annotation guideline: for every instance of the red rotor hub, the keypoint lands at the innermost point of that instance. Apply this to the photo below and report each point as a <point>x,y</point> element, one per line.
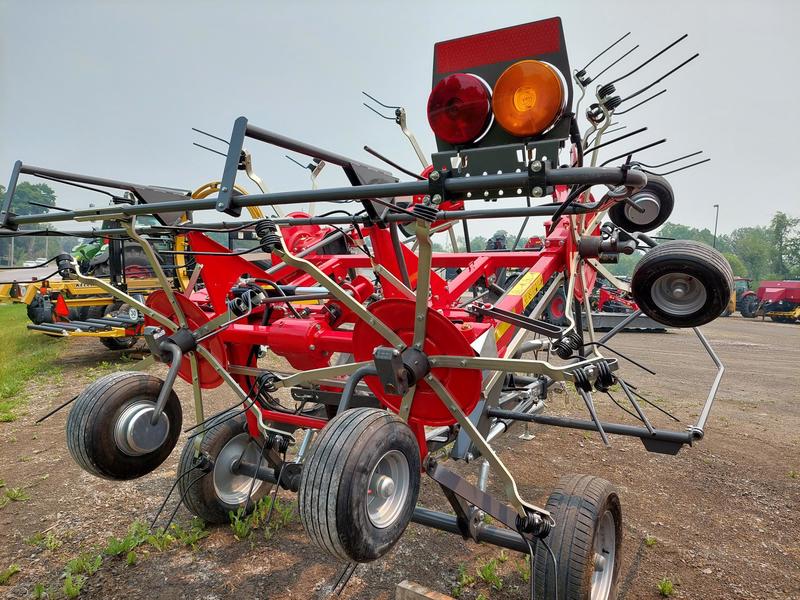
<point>442,337</point>
<point>195,318</point>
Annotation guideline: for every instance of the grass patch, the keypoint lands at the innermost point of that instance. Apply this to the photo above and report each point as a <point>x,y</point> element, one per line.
<point>650,541</point>
<point>23,356</point>
<point>8,573</point>
<point>464,581</point>
<point>665,587</point>
<point>488,573</point>
<point>48,541</point>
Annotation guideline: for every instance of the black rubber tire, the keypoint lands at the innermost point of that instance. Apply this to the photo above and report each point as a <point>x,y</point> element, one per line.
<point>577,504</point>
<point>335,480</point>
<point>555,312</point>
<point>748,307</point>
<point>661,189</point>
<point>90,425</point>
<point>198,492</point>
<point>686,257</point>
<point>37,312</point>
<point>120,343</point>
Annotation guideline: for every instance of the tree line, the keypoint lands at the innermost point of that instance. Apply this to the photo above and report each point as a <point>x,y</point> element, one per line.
<point>32,199</point>
<point>759,252</point>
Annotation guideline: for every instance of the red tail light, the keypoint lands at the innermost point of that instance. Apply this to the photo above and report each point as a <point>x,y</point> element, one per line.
<point>460,108</point>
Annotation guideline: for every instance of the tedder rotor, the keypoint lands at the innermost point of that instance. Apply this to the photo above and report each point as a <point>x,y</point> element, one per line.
<point>397,369</point>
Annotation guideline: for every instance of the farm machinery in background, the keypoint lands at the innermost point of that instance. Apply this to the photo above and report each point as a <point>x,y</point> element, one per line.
<point>778,300</point>
<point>396,369</point>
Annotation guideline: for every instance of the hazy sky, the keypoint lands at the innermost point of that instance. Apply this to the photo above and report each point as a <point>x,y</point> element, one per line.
<point>113,88</point>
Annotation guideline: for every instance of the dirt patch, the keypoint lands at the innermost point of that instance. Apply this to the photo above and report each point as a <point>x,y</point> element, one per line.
<point>723,517</point>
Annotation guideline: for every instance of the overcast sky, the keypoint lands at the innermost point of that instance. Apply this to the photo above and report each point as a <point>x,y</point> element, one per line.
<point>113,88</point>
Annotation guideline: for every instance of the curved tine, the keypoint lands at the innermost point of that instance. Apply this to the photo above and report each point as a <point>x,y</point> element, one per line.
<point>378,113</point>
<point>694,164</point>
<point>651,59</point>
<point>604,51</point>
<point>669,162</point>
<point>374,99</point>
<point>211,135</point>
<point>616,62</point>
<point>662,78</point>
<point>627,110</point>
<point>631,152</point>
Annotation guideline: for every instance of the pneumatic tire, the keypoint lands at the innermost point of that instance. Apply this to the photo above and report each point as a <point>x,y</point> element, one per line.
<point>214,495</point>
<point>586,541</point>
<point>108,430</point>
<point>360,484</point>
<point>657,200</point>
<point>682,283</point>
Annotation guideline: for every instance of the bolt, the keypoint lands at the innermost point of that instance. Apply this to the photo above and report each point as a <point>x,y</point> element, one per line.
<point>223,189</point>
<point>434,175</point>
<point>536,166</point>
<point>220,205</point>
<point>537,192</point>
<point>312,347</point>
<point>437,199</point>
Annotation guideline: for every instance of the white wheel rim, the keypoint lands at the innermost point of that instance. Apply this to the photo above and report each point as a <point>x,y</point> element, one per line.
<point>649,204</point>
<point>231,487</point>
<point>133,433</point>
<point>389,485</point>
<point>604,549</point>
<point>678,294</point>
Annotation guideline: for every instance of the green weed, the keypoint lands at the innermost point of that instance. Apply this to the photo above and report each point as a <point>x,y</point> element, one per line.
<point>39,592</point>
<point>792,474</point>
<point>85,564</point>
<point>650,541</point>
<point>17,495</point>
<point>665,587</point>
<point>488,573</point>
<point>48,541</point>
<point>73,584</point>
<point>8,573</point>
<point>503,556</point>
<point>190,536</point>
<point>464,581</point>
<point>524,568</point>
<point>131,558</point>
<point>160,539</point>
<point>241,524</point>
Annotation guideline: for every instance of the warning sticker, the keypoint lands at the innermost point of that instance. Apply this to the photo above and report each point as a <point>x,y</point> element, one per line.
<point>527,287</point>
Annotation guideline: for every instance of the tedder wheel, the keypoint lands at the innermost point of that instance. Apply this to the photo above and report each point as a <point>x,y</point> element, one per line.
<point>220,491</point>
<point>586,541</point>
<point>682,283</point>
<point>655,198</point>
<point>360,484</point>
<point>109,432</point>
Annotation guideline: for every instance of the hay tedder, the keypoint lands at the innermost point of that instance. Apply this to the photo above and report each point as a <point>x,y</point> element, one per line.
<point>397,370</point>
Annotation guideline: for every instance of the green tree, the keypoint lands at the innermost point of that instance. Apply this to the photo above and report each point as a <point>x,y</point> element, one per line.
<point>737,265</point>
<point>31,198</point>
<point>785,241</point>
<point>752,246</point>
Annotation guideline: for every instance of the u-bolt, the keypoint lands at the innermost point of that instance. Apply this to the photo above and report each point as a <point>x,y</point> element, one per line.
<point>169,381</point>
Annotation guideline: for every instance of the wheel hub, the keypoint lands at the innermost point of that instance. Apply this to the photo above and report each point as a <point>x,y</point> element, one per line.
<point>229,486</point>
<point>389,486</point>
<point>134,434</point>
<point>604,550</point>
<point>678,293</point>
<point>649,204</point>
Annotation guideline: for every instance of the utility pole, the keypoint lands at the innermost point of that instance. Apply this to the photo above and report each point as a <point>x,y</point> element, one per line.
<point>716,220</point>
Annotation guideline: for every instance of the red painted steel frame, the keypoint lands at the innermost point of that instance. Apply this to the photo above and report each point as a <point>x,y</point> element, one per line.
<point>310,342</point>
